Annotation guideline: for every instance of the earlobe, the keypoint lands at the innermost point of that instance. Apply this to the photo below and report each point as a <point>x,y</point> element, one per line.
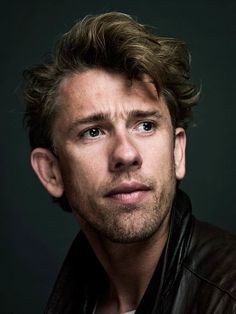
<point>47,169</point>
<point>179,153</point>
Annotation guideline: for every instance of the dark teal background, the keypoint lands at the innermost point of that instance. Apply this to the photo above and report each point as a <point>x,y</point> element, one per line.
<point>35,234</point>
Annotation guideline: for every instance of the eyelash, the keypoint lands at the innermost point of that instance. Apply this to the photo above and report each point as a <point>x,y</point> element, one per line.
<point>153,127</point>
<point>83,134</point>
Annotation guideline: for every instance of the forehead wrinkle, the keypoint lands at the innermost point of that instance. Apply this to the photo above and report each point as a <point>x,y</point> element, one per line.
<point>143,92</point>
<point>106,117</point>
<point>95,117</point>
<point>143,88</point>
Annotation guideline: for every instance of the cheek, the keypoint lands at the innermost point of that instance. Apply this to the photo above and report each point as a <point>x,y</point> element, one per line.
<point>160,152</point>
<point>82,170</point>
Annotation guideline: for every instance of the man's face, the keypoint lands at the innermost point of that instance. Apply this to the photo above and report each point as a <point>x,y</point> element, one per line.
<point>116,149</point>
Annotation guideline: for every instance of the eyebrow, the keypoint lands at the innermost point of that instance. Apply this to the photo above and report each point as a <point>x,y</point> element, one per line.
<point>144,114</point>
<point>96,117</point>
<point>104,117</point>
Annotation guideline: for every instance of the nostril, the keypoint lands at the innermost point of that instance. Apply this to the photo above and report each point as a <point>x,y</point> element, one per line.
<point>119,165</point>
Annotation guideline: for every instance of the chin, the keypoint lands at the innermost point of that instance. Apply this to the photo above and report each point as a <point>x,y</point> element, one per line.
<point>134,231</point>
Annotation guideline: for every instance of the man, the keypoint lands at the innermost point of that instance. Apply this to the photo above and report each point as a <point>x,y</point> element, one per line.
<point>107,119</point>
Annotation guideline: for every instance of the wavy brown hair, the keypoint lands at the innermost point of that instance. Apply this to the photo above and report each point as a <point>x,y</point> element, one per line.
<point>117,42</point>
<point>113,41</point>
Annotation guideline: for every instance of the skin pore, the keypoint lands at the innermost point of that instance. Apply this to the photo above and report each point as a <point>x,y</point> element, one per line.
<point>118,162</point>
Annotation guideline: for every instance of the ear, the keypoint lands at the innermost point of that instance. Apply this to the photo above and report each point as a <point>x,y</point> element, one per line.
<point>179,153</point>
<point>47,169</point>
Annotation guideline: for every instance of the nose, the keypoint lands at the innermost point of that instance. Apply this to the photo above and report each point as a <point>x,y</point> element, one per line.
<point>124,155</point>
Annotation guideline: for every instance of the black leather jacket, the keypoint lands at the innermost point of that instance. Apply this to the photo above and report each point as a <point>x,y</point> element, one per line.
<point>196,272</point>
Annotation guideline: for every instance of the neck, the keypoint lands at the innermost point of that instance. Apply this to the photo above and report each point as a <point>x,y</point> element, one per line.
<point>128,266</point>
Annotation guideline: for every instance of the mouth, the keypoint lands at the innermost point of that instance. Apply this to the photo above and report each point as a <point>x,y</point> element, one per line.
<point>128,193</point>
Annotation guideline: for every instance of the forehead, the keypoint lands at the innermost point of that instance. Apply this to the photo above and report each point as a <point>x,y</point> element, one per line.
<point>97,90</point>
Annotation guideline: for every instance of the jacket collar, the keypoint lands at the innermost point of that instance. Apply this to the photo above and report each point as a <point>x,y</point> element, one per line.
<point>82,276</point>
<point>174,253</point>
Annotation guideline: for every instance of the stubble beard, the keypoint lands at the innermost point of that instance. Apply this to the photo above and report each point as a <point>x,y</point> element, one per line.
<point>130,223</point>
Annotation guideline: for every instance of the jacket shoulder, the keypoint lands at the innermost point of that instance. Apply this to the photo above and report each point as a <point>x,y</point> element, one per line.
<point>212,257</point>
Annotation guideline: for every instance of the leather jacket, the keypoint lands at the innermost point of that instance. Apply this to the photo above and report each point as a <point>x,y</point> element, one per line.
<point>196,272</point>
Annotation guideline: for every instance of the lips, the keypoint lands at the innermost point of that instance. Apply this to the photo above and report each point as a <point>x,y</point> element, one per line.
<point>128,192</point>
<point>128,188</point>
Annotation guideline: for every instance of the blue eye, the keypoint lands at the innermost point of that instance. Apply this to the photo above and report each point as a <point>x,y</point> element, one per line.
<point>93,132</point>
<point>145,126</point>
